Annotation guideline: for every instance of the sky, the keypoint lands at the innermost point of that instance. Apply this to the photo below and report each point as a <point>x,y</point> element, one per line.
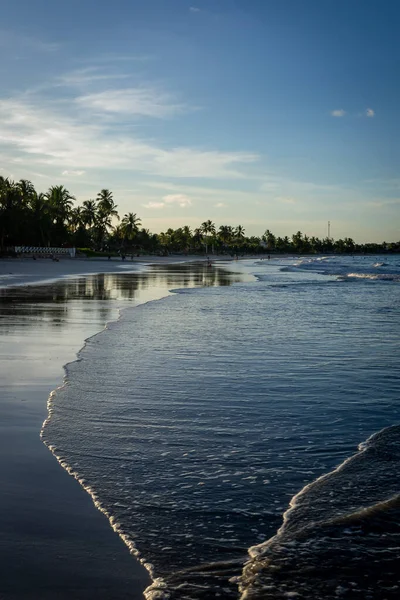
<point>278,114</point>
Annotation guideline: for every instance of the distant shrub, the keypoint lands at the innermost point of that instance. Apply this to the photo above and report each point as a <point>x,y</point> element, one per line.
<point>93,253</point>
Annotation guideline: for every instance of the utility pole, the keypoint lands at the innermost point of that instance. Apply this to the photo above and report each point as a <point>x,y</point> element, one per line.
<point>329,230</point>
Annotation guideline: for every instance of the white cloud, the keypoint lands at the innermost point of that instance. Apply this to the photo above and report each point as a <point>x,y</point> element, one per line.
<point>220,205</point>
<point>181,199</point>
<point>43,134</point>
<point>369,113</point>
<point>339,112</point>
<point>146,102</point>
<point>73,173</point>
<point>88,75</point>
<point>154,205</point>
<point>194,9</point>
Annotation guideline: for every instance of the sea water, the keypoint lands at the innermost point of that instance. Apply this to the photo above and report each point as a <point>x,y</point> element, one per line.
<point>195,419</point>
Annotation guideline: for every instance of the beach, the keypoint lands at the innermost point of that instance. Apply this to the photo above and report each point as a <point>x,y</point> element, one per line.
<point>54,542</point>
<point>215,399</point>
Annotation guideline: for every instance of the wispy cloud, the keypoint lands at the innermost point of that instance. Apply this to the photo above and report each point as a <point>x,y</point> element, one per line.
<point>384,203</point>
<point>338,112</point>
<point>220,205</point>
<point>88,75</point>
<point>154,205</point>
<point>369,113</point>
<point>44,133</point>
<point>147,102</point>
<point>73,173</point>
<point>180,199</point>
<point>115,57</point>
<point>194,9</point>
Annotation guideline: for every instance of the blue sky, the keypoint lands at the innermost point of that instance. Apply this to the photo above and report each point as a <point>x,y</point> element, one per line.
<point>279,114</point>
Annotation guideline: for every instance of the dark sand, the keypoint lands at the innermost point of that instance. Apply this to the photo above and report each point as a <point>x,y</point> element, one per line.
<point>54,543</point>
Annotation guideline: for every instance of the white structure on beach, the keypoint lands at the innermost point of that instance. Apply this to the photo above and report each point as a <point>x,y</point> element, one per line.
<point>41,250</point>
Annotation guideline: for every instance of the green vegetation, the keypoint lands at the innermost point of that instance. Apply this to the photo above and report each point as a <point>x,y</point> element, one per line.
<point>30,218</point>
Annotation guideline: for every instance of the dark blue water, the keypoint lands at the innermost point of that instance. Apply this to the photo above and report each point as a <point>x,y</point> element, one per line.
<point>193,420</point>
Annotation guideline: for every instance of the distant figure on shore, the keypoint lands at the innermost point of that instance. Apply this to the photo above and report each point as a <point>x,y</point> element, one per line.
<point>269,257</point>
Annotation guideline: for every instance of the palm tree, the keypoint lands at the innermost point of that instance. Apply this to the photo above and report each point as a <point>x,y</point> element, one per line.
<point>186,237</point>
<point>316,244</point>
<point>350,245</point>
<point>225,233</point>
<point>89,212</point>
<point>164,239</point>
<point>41,217</point>
<point>60,203</point>
<point>239,232</point>
<point>106,205</point>
<point>147,240</point>
<point>26,189</point>
<point>208,229</point>
<point>269,239</point>
<point>297,241</point>
<point>9,200</point>
<point>197,238</point>
<point>130,226</point>
<point>106,210</point>
<point>77,220</point>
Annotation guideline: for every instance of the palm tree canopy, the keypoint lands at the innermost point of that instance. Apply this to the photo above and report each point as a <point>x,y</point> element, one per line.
<point>208,227</point>
<point>130,225</point>
<point>89,212</point>
<point>239,231</point>
<point>60,202</point>
<point>106,206</point>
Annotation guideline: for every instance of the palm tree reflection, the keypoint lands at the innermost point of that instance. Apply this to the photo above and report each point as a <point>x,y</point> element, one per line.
<point>51,302</point>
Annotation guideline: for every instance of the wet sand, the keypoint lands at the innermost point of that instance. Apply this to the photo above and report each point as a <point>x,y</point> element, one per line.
<point>54,543</point>
<point>26,271</point>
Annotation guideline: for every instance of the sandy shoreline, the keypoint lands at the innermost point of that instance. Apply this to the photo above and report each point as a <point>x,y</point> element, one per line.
<point>54,542</point>
<point>25,271</point>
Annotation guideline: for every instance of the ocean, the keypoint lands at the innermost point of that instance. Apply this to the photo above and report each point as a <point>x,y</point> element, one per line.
<point>223,430</point>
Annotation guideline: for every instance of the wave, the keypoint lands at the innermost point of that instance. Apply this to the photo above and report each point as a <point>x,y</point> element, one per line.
<point>346,268</point>
<point>148,490</point>
<point>372,276</point>
<point>341,535</point>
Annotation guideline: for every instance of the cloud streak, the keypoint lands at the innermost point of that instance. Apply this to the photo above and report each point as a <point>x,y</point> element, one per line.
<point>145,102</point>
<point>41,134</point>
<point>339,112</point>
<point>181,200</point>
<point>73,173</point>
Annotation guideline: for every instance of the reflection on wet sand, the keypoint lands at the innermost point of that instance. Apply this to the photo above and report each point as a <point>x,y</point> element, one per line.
<point>49,301</point>
<point>72,551</point>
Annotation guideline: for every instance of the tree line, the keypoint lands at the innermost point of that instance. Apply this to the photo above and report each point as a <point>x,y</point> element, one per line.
<point>30,218</point>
